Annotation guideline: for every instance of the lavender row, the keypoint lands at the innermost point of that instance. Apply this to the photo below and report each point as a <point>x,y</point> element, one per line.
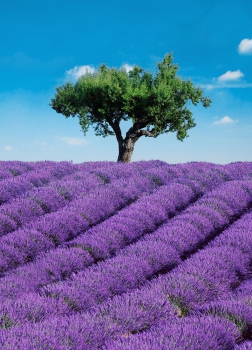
<point>237,244</point>
<point>138,262</point>
<point>16,168</point>
<point>240,169</point>
<point>192,333</point>
<point>53,220</point>
<point>24,210</point>
<point>53,229</point>
<point>247,345</point>
<point>5,174</point>
<point>103,169</point>
<point>24,240</point>
<point>39,201</point>
<point>112,277</point>
<point>234,312</point>
<point>235,305</point>
<point>57,343</point>
<point>141,313</point>
<point>84,333</point>
<point>11,188</point>
<point>103,240</point>
<point>235,171</point>
<point>43,173</point>
<point>203,334</point>
<point>14,187</point>
<point>10,286</point>
<point>11,169</point>
<point>171,297</point>
<point>34,202</point>
<point>61,262</point>
<point>232,171</point>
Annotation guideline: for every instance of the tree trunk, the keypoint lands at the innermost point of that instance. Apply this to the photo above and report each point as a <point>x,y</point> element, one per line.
<point>126,148</point>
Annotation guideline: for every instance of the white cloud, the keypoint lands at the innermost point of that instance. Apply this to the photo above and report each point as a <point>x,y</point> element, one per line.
<point>8,148</point>
<point>235,75</point>
<point>78,71</point>
<point>225,120</point>
<point>127,66</point>
<point>74,141</point>
<point>245,46</point>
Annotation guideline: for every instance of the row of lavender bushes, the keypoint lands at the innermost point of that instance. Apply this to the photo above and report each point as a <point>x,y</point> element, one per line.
<point>139,248</point>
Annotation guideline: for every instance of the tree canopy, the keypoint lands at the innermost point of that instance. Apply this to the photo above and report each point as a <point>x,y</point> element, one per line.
<point>109,95</point>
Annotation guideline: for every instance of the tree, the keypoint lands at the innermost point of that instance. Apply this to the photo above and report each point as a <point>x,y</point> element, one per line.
<point>108,96</point>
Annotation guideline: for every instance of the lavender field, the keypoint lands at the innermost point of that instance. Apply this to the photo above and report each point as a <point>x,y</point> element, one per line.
<point>112,256</point>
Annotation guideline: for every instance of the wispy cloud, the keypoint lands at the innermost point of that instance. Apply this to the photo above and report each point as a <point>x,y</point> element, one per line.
<point>78,71</point>
<point>225,120</point>
<point>231,75</point>
<point>8,148</point>
<point>245,46</point>
<point>19,59</point>
<point>127,67</point>
<point>74,141</point>
<point>222,86</point>
<point>45,148</point>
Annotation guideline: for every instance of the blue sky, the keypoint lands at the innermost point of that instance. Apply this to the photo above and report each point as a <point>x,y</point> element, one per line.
<point>46,43</point>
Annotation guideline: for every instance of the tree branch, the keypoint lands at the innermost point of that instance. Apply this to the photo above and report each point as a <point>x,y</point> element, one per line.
<point>115,126</point>
<point>135,131</point>
<point>147,133</point>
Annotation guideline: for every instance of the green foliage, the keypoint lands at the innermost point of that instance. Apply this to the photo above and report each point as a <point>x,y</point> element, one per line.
<point>5,322</point>
<point>108,96</point>
<point>183,309</point>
